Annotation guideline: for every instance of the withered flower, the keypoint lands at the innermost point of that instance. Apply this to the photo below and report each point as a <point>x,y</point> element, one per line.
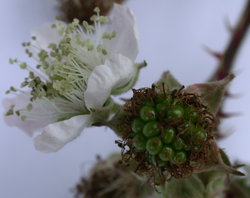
<point>109,180</point>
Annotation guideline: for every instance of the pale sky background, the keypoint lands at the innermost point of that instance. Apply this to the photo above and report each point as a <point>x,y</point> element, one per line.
<point>172,33</point>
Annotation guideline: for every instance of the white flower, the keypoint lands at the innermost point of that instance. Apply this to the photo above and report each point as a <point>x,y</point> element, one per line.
<point>79,67</point>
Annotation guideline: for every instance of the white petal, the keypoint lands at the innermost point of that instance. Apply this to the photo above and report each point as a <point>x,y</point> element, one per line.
<point>56,135</point>
<point>122,21</point>
<point>28,126</point>
<point>52,110</point>
<point>116,71</point>
<point>45,35</point>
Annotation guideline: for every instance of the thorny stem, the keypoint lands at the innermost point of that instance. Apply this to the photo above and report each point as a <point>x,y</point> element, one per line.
<point>228,57</point>
<point>238,35</point>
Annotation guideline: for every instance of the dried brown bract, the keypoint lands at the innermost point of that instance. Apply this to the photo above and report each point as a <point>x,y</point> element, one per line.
<point>109,180</point>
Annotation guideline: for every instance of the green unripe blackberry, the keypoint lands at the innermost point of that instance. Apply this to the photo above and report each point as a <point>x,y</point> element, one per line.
<point>154,145</point>
<point>180,157</point>
<point>192,114</point>
<point>178,144</point>
<point>176,111</point>
<point>137,125</point>
<point>166,154</point>
<point>200,133</point>
<point>168,135</point>
<point>139,142</point>
<point>170,130</point>
<point>163,105</point>
<point>155,160</point>
<point>151,129</point>
<point>147,113</point>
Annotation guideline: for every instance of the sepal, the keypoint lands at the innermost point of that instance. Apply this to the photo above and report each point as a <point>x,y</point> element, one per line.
<point>168,81</point>
<point>101,116</point>
<point>211,93</point>
<point>128,86</point>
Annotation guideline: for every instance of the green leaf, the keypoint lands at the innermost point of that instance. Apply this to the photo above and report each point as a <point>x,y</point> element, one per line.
<point>211,93</point>
<point>169,82</point>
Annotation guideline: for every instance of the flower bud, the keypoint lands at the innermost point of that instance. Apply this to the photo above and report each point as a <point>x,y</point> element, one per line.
<point>83,9</point>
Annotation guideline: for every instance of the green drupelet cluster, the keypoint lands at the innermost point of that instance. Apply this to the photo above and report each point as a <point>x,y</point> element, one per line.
<point>167,130</point>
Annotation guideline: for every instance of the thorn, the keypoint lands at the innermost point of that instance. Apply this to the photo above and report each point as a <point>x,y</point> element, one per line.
<point>227,115</point>
<point>217,55</point>
<point>219,134</point>
<point>228,25</point>
<point>230,95</point>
